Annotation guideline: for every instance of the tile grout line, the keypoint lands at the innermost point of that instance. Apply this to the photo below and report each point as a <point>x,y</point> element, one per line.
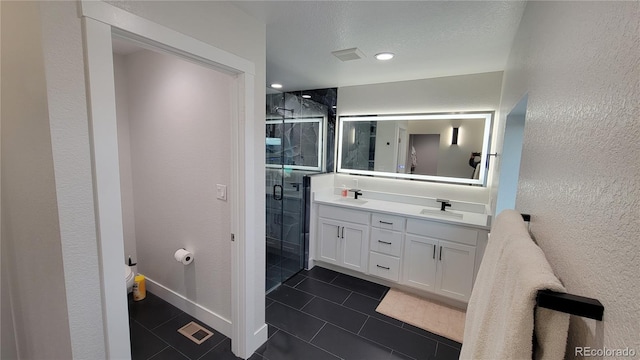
<point>179,352</point>
<point>429,337</point>
<point>314,295</point>
<point>325,321</point>
<point>310,300</point>
<point>366,339</point>
<point>182,312</point>
<point>318,332</point>
<point>403,354</point>
<point>345,300</point>
<point>362,327</point>
<point>213,348</point>
<point>308,342</point>
<point>341,287</point>
<point>152,332</point>
<point>163,349</point>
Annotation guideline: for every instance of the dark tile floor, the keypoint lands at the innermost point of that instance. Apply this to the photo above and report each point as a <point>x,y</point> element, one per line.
<point>322,314</point>
<point>317,314</point>
<point>153,326</point>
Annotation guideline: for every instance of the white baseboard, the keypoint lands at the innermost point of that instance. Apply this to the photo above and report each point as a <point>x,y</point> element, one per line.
<point>199,312</point>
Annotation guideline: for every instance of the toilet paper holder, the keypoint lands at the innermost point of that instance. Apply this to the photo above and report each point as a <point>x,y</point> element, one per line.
<point>183,256</point>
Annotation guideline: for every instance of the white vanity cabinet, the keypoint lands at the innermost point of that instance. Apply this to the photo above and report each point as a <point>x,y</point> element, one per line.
<point>385,246</point>
<point>343,236</point>
<point>440,258</point>
<point>429,255</point>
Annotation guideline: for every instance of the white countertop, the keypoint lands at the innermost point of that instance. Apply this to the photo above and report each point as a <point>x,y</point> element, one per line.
<point>407,210</point>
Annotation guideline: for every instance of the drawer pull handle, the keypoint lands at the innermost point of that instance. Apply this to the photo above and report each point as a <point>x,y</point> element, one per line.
<point>386,222</point>
<point>434,251</point>
<point>384,242</point>
<point>382,267</point>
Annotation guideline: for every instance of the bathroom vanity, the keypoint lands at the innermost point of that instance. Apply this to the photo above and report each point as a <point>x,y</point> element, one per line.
<point>397,243</point>
<point>391,228</point>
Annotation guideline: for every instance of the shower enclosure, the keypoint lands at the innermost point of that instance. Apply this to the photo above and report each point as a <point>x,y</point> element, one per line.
<point>295,128</point>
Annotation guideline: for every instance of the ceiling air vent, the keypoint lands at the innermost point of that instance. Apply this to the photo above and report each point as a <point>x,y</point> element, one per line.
<point>348,54</point>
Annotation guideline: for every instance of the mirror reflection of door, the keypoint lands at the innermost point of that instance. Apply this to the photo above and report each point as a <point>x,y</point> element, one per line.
<point>403,148</point>
<point>426,148</point>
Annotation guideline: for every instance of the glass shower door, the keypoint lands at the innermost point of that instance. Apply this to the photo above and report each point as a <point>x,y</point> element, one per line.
<point>274,193</point>
<point>284,195</point>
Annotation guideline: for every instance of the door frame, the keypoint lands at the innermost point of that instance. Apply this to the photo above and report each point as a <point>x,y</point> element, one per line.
<point>100,21</point>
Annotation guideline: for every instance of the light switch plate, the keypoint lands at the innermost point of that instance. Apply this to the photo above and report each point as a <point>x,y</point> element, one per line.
<point>221,191</point>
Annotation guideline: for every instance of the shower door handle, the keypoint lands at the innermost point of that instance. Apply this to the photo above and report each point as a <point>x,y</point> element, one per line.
<point>277,195</point>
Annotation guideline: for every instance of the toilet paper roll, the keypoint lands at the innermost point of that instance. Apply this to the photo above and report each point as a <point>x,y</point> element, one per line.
<point>183,256</point>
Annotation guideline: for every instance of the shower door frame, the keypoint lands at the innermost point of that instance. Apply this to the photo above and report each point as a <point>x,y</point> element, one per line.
<point>100,20</point>
<point>283,120</point>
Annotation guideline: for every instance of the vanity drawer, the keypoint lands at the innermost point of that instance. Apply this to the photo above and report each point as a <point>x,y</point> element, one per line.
<point>388,222</point>
<point>384,266</point>
<point>443,231</point>
<point>386,241</point>
<point>342,214</point>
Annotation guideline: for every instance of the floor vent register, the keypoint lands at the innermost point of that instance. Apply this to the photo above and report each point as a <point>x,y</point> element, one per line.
<point>195,332</point>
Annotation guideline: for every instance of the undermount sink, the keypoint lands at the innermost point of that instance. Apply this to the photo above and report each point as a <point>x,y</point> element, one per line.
<point>441,213</point>
<point>353,201</point>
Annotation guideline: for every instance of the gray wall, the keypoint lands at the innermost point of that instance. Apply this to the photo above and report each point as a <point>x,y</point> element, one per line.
<point>580,170</point>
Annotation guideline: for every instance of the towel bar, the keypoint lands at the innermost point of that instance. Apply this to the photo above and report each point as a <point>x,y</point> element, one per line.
<point>571,304</point>
<point>568,303</point>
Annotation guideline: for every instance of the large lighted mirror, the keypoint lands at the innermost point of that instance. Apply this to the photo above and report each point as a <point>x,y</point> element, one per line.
<point>450,147</point>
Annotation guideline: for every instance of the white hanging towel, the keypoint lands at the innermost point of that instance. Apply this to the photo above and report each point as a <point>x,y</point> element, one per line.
<point>500,315</point>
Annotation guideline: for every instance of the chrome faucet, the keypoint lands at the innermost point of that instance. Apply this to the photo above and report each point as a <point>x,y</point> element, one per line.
<point>356,192</point>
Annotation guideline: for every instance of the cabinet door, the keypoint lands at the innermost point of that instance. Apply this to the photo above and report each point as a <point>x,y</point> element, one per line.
<point>455,273</point>
<point>420,262</point>
<point>329,232</point>
<point>355,246</point>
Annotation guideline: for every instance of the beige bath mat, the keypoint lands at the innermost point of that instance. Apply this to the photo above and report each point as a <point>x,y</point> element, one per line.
<point>428,315</point>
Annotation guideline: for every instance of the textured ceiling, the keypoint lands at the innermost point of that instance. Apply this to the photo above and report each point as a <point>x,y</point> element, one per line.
<point>429,38</point>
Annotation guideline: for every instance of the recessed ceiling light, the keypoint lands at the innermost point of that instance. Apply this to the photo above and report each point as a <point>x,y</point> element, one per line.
<point>385,56</point>
<point>276,86</point>
<point>305,96</point>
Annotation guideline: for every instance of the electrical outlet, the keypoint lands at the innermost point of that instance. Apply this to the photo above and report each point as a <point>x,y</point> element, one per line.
<point>221,192</point>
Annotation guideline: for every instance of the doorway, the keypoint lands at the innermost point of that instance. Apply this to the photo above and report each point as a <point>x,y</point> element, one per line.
<point>246,326</point>
<point>426,148</point>
<point>174,151</point>
<point>511,156</point>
